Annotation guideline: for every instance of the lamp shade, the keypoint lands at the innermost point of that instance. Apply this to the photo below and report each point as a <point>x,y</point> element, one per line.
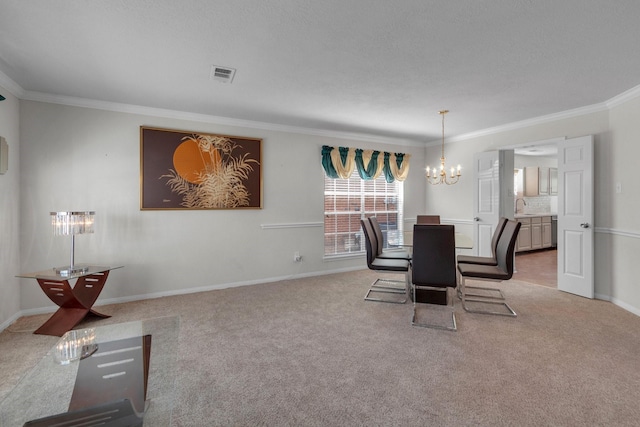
<point>70,223</point>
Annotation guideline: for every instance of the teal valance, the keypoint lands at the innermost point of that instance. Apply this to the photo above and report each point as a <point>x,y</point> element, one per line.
<point>340,162</point>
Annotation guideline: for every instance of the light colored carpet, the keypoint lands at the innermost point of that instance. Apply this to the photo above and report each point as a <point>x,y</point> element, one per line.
<point>312,352</point>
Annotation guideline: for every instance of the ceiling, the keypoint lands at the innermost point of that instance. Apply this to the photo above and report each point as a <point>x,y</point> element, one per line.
<point>381,68</point>
<point>541,150</point>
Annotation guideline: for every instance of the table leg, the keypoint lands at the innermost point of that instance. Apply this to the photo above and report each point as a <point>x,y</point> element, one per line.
<point>75,303</point>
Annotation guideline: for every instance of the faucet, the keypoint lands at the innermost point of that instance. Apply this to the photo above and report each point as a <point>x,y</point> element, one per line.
<point>524,203</point>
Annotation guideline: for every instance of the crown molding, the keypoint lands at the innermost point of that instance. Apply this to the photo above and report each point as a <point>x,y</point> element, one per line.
<point>13,88</point>
<point>19,92</point>
<point>577,112</point>
<point>205,118</point>
<point>623,97</point>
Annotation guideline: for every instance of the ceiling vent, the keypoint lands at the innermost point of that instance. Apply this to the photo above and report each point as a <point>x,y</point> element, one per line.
<point>222,74</point>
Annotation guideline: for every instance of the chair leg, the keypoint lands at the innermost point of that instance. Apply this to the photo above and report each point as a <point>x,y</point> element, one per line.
<point>391,287</point>
<point>414,322</point>
<point>499,296</point>
<point>486,300</point>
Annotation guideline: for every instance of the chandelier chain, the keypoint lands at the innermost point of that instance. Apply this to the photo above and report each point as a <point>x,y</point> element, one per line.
<point>441,176</point>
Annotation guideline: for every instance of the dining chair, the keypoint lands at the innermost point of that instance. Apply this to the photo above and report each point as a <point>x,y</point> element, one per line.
<point>428,219</point>
<point>382,253</point>
<point>388,290</point>
<point>505,252</point>
<point>433,270</point>
<point>492,260</point>
<point>472,259</point>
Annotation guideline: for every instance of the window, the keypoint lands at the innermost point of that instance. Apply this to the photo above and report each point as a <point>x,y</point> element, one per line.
<point>347,201</point>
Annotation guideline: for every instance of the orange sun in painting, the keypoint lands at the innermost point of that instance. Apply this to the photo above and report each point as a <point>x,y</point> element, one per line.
<point>191,163</point>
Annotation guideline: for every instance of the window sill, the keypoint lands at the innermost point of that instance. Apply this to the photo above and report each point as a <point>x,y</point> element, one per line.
<point>342,257</point>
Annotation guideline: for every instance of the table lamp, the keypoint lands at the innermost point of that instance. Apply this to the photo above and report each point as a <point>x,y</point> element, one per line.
<point>71,223</point>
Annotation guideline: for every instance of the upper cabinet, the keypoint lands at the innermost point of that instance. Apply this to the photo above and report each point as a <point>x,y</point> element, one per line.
<point>530,181</point>
<point>543,181</point>
<point>540,181</point>
<point>553,181</point>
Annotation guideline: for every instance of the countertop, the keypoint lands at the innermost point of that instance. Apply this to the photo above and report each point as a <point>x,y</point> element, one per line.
<point>525,215</point>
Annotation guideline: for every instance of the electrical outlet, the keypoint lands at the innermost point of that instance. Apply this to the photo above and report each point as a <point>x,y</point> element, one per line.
<point>618,187</point>
<point>297,257</point>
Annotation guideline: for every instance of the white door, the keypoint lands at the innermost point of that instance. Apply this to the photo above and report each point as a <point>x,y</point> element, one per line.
<point>486,210</point>
<point>575,216</point>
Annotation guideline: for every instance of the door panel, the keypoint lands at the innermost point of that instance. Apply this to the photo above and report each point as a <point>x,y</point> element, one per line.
<point>573,259</point>
<point>575,216</point>
<point>493,196</point>
<point>486,200</point>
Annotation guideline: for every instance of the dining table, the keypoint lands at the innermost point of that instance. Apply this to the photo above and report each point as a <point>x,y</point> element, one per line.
<point>405,239</point>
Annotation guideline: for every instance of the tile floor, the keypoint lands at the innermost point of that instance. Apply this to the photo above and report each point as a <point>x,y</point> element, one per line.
<point>539,267</point>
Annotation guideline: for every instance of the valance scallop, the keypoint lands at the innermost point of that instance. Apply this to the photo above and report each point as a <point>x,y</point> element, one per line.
<point>339,162</point>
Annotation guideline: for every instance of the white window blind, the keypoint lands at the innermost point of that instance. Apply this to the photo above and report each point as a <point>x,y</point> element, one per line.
<point>347,201</point>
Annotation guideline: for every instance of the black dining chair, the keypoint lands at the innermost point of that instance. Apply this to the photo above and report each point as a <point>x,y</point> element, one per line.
<point>428,219</point>
<point>382,253</point>
<point>433,271</point>
<point>505,252</point>
<point>472,259</point>
<point>492,260</point>
<point>387,290</point>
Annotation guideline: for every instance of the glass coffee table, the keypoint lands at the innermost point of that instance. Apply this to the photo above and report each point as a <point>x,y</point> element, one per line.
<point>48,389</point>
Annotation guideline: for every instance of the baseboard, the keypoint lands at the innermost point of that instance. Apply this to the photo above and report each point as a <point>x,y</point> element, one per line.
<point>625,306</point>
<point>9,321</point>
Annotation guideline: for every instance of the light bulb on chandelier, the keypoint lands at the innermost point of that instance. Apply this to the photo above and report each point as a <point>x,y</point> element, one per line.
<point>436,177</point>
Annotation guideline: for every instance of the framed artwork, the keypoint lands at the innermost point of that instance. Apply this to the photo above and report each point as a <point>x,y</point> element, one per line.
<point>194,170</point>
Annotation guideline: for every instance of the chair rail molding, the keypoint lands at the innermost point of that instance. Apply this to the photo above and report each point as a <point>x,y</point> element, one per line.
<point>292,225</point>
<point>617,232</point>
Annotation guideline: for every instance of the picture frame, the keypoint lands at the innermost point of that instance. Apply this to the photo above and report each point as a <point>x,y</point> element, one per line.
<point>186,170</point>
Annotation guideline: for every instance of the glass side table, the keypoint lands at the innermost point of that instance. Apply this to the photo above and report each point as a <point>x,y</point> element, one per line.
<point>74,302</point>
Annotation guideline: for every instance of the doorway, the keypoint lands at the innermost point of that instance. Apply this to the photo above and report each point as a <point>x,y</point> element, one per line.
<point>574,211</point>
<point>539,266</point>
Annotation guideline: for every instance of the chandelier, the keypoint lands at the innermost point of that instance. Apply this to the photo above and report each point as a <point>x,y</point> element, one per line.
<point>433,176</point>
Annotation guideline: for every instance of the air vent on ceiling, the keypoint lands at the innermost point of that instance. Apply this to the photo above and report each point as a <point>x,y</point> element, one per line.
<point>222,74</point>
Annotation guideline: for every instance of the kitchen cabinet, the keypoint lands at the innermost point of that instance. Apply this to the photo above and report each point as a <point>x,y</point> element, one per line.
<point>524,235</point>
<point>531,181</point>
<point>540,181</point>
<point>553,181</point>
<point>547,240</point>
<point>543,181</point>
<point>535,233</point>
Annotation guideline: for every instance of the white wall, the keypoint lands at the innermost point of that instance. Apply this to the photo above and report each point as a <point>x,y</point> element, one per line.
<point>88,159</point>
<point>9,212</point>
<point>82,158</point>
<point>616,132</point>
<point>621,234</point>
